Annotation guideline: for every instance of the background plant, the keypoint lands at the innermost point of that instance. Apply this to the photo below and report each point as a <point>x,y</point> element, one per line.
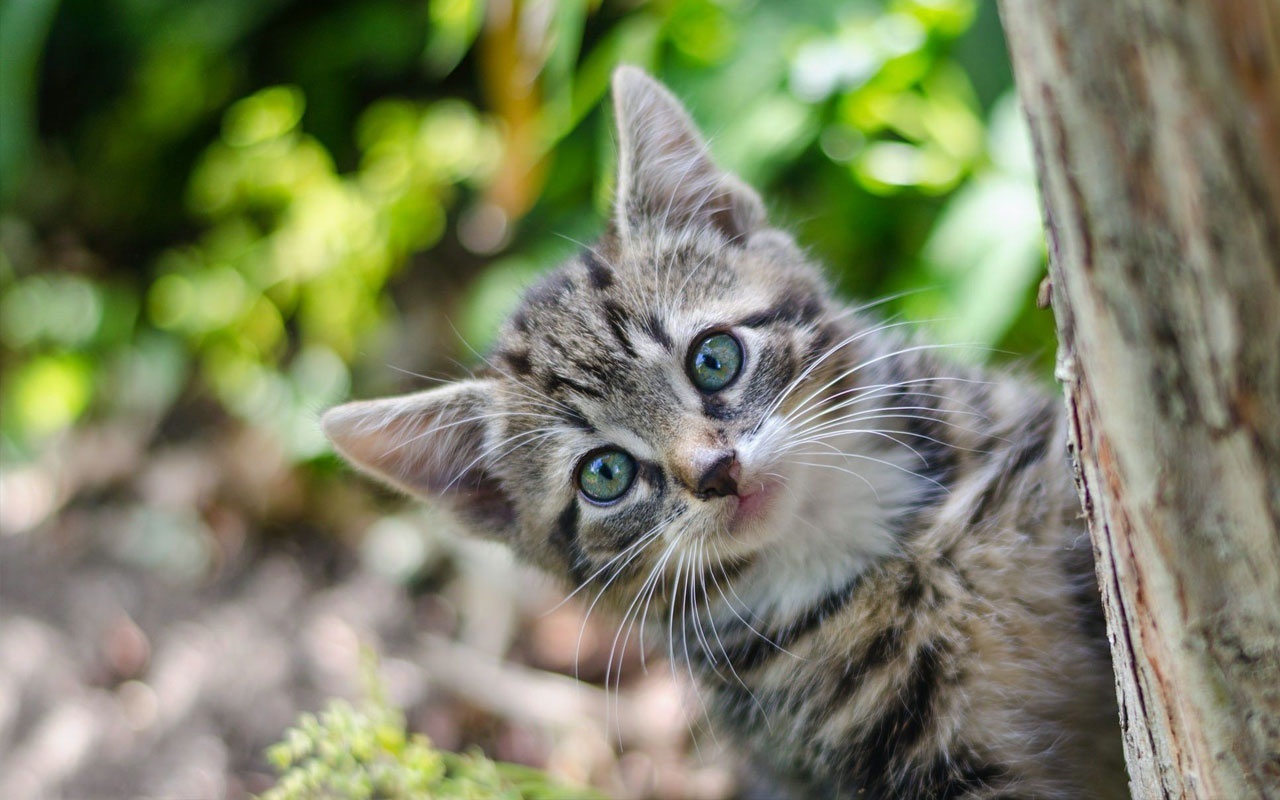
<point>244,198</point>
<point>363,752</point>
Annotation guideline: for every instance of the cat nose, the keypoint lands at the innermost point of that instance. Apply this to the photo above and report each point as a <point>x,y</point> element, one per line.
<point>720,479</point>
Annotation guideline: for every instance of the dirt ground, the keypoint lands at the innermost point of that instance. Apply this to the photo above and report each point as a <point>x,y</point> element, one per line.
<point>166,612</point>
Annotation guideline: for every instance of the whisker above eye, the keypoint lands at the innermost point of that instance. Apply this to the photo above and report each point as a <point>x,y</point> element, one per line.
<point>832,429</point>
<point>889,412</point>
<point>817,362</point>
<point>858,367</point>
<point>883,299</point>
<point>435,429</point>
<point>817,420</point>
<point>518,440</point>
<point>889,435</point>
<point>856,395</point>
<point>437,379</point>
<point>515,385</point>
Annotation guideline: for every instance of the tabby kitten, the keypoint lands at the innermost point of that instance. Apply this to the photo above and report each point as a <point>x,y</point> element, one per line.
<point>872,560</point>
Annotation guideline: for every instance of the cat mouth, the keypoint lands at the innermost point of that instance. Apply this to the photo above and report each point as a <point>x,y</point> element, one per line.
<point>754,505</point>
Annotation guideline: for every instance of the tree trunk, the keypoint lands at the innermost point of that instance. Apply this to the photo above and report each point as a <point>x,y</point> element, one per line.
<point>1157,132</point>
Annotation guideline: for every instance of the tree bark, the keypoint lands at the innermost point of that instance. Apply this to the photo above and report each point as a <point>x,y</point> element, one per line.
<point>1156,125</point>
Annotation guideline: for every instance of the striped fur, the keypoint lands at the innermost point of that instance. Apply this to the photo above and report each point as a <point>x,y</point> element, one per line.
<point>897,602</point>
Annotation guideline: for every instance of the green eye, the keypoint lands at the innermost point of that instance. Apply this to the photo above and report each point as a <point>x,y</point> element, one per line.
<point>606,475</point>
<point>715,362</point>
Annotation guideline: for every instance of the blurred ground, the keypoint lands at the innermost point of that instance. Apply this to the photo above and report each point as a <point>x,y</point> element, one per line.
<point>139,665</point>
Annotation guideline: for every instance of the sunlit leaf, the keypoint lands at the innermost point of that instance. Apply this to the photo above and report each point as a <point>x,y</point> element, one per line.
<point>340,160</point>
<point>454,26</point>
<point>269,114</point>
<point>48,394</point>
<point>64,310</point>
<point>988,247</point>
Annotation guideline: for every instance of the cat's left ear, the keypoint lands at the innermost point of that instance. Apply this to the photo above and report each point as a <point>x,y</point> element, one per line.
<point>665,172</point>
<point>433,444</point>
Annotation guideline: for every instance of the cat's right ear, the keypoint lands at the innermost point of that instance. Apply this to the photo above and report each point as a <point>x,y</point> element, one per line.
<point>432,444</point>
<point>665,172</point>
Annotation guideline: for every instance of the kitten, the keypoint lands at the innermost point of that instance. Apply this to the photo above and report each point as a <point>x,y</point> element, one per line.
<point>872,560</point>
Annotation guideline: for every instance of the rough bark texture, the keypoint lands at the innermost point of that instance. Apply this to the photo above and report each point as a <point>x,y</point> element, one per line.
<point>1157,129</point>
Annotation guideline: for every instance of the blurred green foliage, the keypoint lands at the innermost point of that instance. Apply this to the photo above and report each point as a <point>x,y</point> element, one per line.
<point>365,753</point>
<point>252,200</point>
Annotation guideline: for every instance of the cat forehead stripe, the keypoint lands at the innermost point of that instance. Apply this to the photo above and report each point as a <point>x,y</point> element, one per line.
<point>601,277</point>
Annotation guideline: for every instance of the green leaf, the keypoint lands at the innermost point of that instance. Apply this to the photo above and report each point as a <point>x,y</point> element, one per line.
<point>359,752</point>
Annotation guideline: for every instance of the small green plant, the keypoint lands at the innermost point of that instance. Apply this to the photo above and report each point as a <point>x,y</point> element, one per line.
<point>364,752</point>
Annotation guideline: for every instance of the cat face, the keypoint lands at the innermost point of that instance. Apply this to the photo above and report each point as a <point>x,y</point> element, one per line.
<point>642,402</point>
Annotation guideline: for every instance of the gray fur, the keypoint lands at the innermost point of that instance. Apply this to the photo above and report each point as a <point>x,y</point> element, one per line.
<point>910,610</point>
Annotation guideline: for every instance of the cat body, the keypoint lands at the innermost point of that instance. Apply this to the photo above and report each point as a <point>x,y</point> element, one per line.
<point>872,560</point>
